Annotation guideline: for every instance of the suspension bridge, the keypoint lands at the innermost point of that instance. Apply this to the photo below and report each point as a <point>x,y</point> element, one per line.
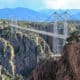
<point>57,38</point>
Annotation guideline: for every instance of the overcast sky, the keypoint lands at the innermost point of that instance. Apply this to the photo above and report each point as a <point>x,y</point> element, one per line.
<point>41,4</point>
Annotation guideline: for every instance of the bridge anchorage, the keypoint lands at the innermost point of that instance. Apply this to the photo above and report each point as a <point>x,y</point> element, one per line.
<point>59,34</point>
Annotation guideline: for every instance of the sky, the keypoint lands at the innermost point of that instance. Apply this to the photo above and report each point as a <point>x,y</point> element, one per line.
<point>41,4</point>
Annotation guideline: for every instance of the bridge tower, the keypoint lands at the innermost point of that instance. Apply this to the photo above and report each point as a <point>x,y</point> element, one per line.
<point>58,43</point>
<point>16,24</point>
<point>11,23</point>
<point>65,24</point>
<point>15,21</point>
<point>55,31</point>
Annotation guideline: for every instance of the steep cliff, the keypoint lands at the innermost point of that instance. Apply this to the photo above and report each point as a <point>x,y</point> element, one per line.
<point>66,68</point>
<point>5,75</point>
<point>20,52</point>
<point>7,55</point>
<point>28,51</point>
<point>7,67</point>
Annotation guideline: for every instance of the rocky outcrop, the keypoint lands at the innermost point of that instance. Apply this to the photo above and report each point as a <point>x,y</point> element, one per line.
<point>66,68</point>
<point>21,52</point>
<point>7,55</point>
<point>5,75</point>
<point>28,52</point>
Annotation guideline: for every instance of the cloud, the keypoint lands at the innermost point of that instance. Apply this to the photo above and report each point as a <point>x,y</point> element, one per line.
<point>32,4</point>
<point>7,3</point>
<point>62,4</point>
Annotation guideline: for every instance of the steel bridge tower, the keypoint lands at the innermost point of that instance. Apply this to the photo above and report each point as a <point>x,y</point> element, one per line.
<point>58,43</point>
<point>55,31</point>
<point>65,24</point>
<point>13,22</point>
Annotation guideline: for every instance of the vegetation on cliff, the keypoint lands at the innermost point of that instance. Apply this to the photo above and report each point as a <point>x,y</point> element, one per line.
<point>7,66</point>
<point>66,68</point>
<point>20,52</point>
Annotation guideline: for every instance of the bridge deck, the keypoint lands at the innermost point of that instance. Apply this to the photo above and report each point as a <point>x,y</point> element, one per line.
<point>40,32</point>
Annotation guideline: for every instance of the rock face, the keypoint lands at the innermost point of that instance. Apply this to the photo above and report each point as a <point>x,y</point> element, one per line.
<point>7,55</point>
<point>5,75</point>
<point>66,68</point>
<point>28,52</point>
<point>20,53</point>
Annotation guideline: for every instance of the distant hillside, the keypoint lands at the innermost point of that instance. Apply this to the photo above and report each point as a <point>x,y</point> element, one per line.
<point>21,13</point>
<point>73,14</point>
<point>41,15</point>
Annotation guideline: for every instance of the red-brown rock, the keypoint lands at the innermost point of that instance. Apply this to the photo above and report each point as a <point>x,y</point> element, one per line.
<point>66,68</point>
